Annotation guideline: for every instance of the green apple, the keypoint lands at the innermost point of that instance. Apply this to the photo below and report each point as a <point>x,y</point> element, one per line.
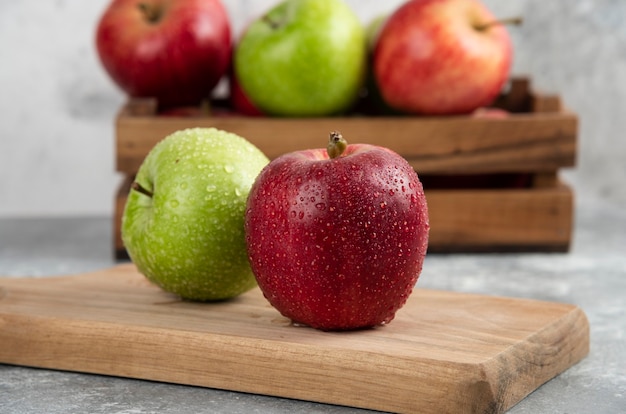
<point>303,58</point>
<point>373,30</point>
<point>183,224</point>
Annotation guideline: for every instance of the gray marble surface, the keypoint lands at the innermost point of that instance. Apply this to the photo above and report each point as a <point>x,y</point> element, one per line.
<point>592,275</point>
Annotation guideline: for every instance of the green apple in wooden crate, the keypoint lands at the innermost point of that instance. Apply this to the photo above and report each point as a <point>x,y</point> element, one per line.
<point>303,58</point>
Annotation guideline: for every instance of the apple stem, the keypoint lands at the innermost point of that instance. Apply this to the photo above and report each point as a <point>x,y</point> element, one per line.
<point>512,20</point>
<point>336,145</point>
<point>151,13</point>
<point>273,21</point>
<point>137,187</point>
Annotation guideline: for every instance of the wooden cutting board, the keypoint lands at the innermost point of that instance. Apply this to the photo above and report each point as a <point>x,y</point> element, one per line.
<point>445,352</point>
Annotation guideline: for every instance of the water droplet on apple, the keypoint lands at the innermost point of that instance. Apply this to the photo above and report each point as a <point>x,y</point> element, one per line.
<point>383,205</point>
<point>229,168</point>
<point>183,185</point>
<point>301,215</point>
<point>210,188</point>
<point>237,192</point>
<point>174,203</point>
<point>320,206</point>
<point>293,214</point>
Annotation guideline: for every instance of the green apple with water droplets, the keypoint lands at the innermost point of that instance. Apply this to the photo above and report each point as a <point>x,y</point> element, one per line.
<point>183,224</point>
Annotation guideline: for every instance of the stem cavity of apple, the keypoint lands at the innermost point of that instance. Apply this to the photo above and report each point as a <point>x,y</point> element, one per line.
<point>137,187</point>
<point>336,145</point>
<point>509,21</point>
<point>151,12</point>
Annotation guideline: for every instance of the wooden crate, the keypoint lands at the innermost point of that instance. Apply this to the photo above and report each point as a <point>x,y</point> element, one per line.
<point>491,181</point>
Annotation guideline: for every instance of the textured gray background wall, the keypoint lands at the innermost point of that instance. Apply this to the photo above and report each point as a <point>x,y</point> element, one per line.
<point>57,105</point>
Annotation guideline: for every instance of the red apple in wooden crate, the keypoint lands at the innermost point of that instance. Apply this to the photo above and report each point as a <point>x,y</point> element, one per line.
<point>337,239</point>
<point>173,50</point>
<point>441,57</point>
<point>239,101</point>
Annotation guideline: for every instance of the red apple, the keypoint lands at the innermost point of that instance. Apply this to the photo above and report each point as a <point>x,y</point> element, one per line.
<point>441,57</point>
<point>239,101</point>
<point>174,50</point>
<point>337,240</point>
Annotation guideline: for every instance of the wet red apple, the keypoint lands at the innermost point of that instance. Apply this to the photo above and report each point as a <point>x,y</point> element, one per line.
<point>336,237</point>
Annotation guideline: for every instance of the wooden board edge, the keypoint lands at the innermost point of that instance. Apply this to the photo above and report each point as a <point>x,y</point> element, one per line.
<point>225,363</point>
<point>364,379</point>
<point>551,354</point>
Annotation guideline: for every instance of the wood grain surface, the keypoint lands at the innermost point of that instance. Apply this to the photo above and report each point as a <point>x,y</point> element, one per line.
<point>462,144</point>
<point>445,352</point>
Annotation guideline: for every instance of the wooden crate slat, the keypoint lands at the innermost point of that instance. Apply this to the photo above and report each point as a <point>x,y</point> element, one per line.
<point>517,143</point>
<point>535,219</point>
